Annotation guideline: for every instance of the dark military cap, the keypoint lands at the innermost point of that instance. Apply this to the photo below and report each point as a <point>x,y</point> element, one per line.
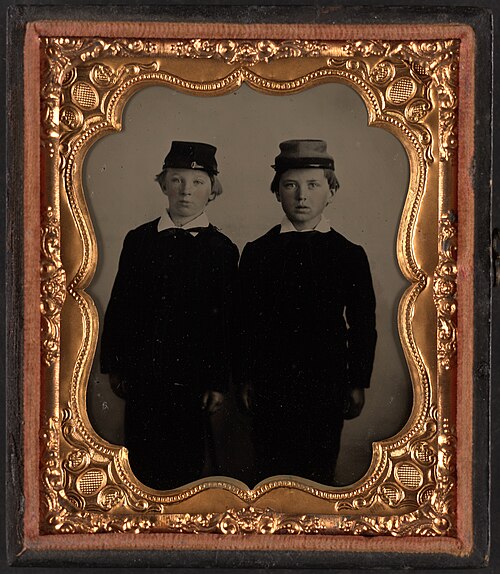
<point>302,153</point>
<point>192,155</point>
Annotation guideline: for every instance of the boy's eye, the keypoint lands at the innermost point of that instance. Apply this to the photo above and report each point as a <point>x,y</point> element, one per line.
<point>313,184</point>
<point>289,185</point>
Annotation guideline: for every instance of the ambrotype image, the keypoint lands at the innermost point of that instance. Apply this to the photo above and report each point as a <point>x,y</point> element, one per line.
<point>247,286</point>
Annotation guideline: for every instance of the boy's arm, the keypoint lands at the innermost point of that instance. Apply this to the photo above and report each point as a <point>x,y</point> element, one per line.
<point>117,319</point>
<point>247,328</point>
<point>360,316</point>
<point>218,360</point>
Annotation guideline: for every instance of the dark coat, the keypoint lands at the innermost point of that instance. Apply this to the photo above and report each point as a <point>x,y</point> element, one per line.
<point>308,335</point>
<point>167,333</point>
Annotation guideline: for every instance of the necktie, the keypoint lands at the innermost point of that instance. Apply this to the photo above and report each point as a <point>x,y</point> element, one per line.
<point>180,231</point>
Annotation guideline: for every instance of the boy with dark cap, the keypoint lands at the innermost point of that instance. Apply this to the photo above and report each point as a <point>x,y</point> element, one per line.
<point>308,323</point>
<point>166,337</point>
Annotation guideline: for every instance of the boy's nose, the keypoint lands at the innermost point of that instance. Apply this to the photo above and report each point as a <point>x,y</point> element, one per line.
<point>301,192</point>
<point>186,189</point>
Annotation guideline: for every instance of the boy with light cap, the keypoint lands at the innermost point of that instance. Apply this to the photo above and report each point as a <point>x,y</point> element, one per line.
<point>167,329</point>
<point>308,323</point>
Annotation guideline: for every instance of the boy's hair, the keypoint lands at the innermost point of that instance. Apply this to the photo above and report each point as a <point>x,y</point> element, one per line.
<point>333,182</point>
<point>216,185</point>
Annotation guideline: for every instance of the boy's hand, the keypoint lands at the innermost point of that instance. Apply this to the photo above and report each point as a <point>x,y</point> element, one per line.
<point>353,403</point>
<point>246,397</point>
<point>117,383</point>
<point>212,401</point>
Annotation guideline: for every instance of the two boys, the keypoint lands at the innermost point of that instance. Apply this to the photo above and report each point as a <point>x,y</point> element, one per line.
<point>167,334</point>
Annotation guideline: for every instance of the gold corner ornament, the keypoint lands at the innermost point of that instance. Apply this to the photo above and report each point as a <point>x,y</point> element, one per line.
<point>53,287</point>
<point>445,291</point>
<point>62,512</point>
<point>435,61</point>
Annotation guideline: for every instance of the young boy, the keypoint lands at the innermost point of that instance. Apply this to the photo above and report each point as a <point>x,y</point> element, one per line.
<point>166,337</point>
<point>308,323</point>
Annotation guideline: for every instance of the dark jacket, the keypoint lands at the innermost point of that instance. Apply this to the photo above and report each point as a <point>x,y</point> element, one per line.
<point>169,315</point>
<point>168,336</point>
<point>308,312</point>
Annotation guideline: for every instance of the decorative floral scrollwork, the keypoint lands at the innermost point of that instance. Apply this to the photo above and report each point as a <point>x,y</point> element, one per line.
<point>87,49</point>
<point>110,497</point>
<point>81,522</point>
<point>422,522</point>
<point>382,73</point>
<point>77,460</point>
<point>365,48</point>
<point>417,109</point>
<point>103,76</point>
<point>443,500</point>
<point>244,521</point>
<point>445,287</point>
<point>436,60</point>
<point>52,475</point>
<point>65,512</point>
<point>53,287</point>
<point>247,52</point>
<point>439,60</point>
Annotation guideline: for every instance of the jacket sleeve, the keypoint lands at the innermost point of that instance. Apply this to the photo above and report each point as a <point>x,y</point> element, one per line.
<point>248,309</point>
<point>118,319</point>
<point>219,353</point>
<point>360,316</point>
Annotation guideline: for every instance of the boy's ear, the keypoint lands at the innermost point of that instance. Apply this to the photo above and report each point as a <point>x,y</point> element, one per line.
<point>212,196</point>
<point>332,195</point>
<point>278,197</point>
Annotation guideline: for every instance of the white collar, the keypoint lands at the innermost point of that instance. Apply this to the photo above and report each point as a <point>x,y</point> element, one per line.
<point>323,226</point>
<point>167,223</point>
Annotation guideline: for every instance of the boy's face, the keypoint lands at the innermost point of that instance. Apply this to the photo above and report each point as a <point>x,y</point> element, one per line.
<point>304,193</point>
<point>188,192</point>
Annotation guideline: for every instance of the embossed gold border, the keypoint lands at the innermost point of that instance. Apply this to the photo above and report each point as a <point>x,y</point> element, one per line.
<point>410,87</point>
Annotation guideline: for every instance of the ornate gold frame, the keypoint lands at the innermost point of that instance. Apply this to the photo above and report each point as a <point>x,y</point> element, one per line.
<point>410,87</point>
